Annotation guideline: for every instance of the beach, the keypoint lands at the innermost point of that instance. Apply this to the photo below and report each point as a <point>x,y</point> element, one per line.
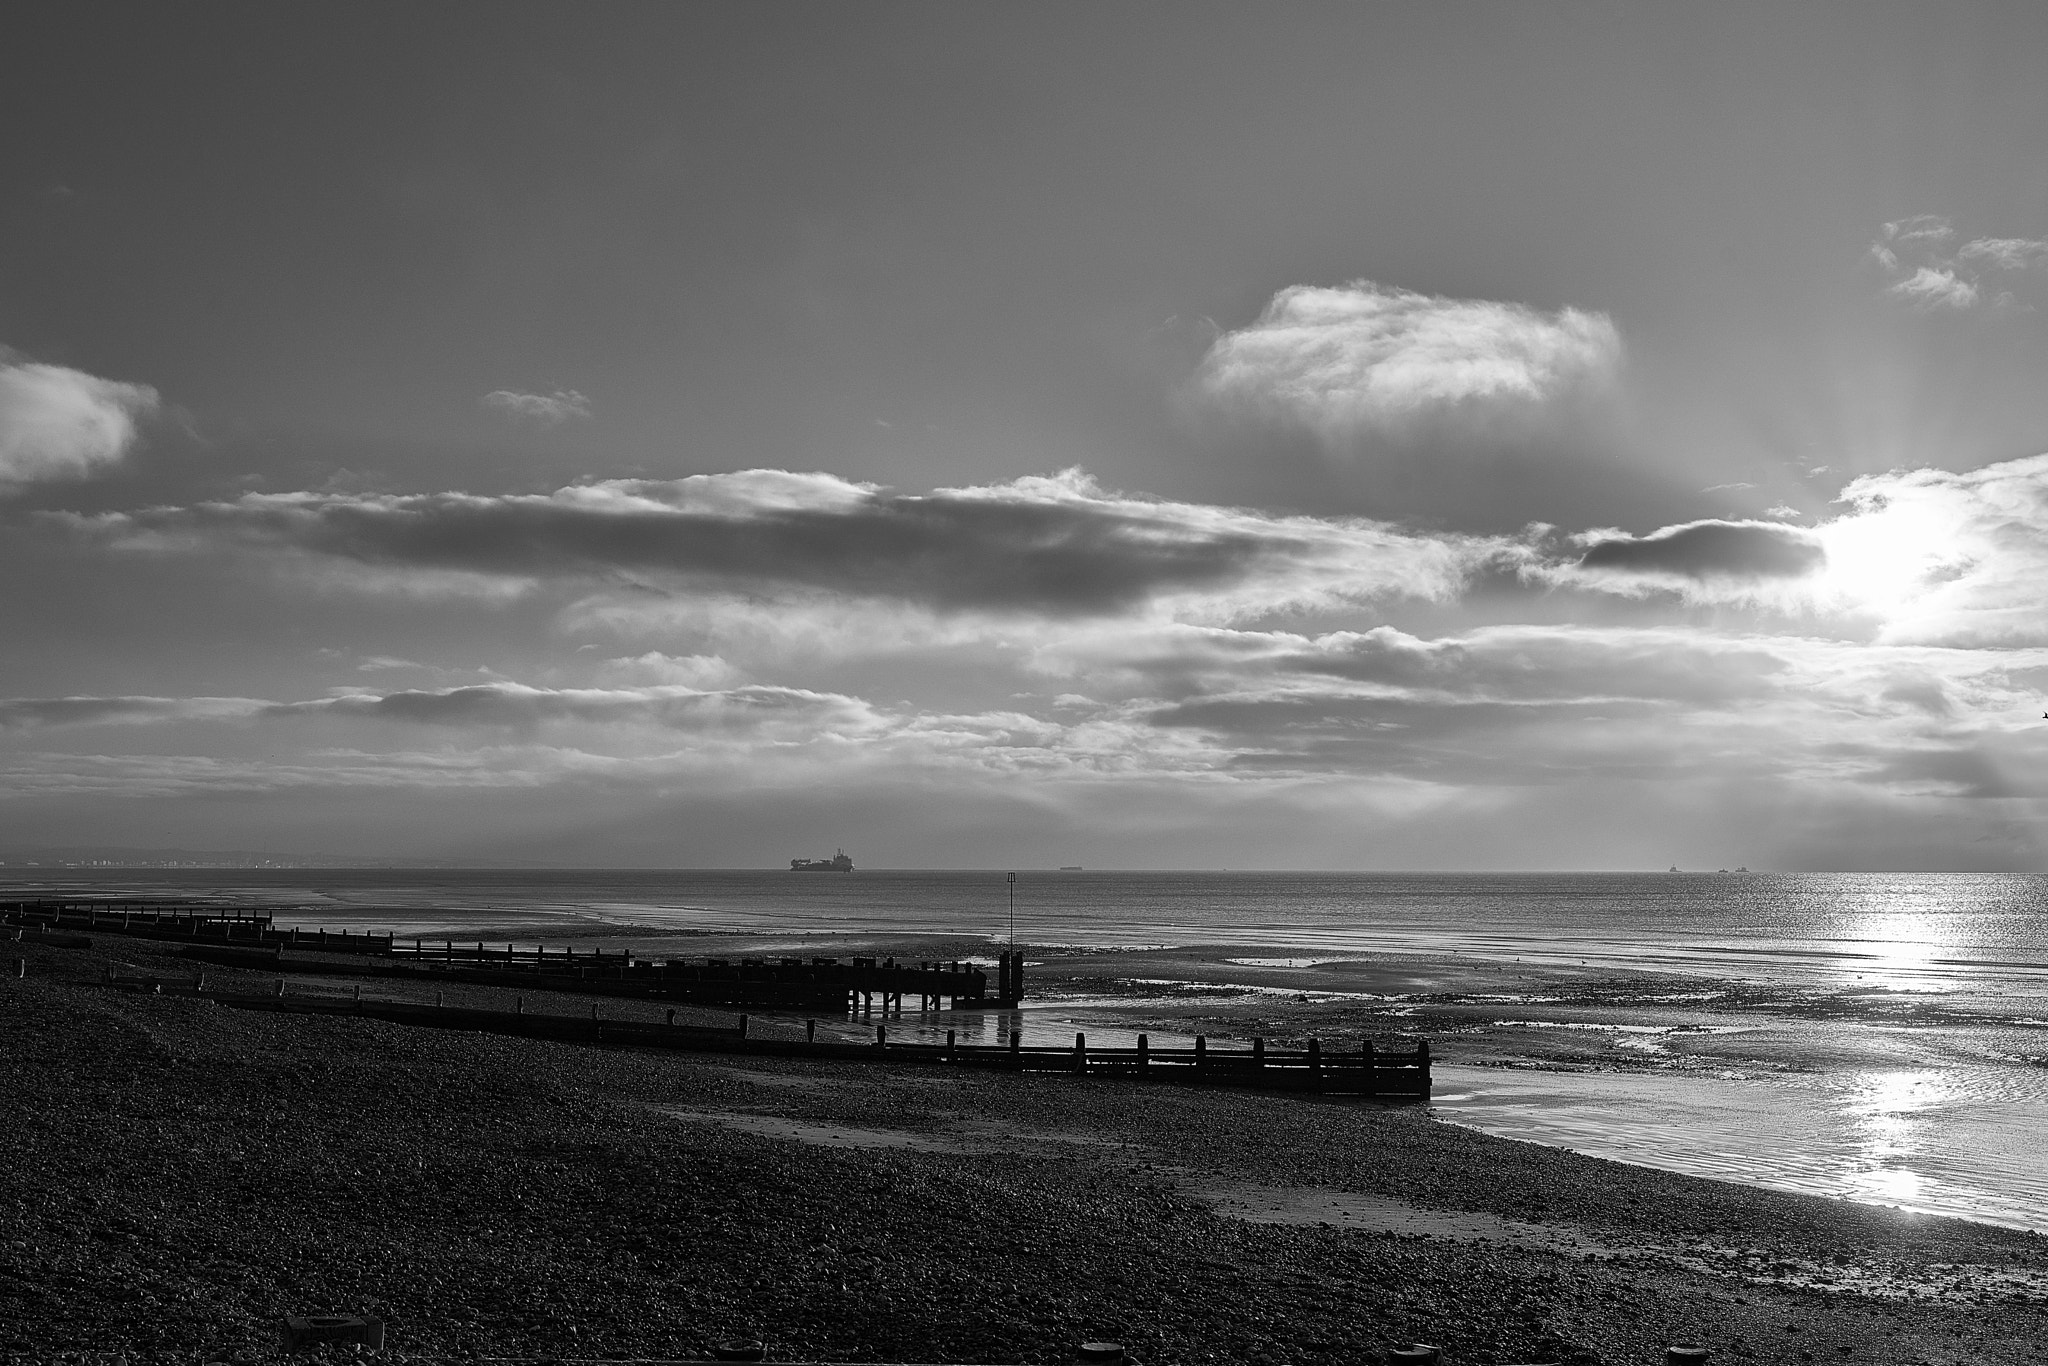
<point>1882,1038</point>
<point>189,1174</point>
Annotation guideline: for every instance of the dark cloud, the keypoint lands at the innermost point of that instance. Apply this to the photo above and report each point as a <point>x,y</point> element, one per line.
<point>741,709</point>
<point>1708,550</point>
<point>1057,546</point>
<point>516,705</point>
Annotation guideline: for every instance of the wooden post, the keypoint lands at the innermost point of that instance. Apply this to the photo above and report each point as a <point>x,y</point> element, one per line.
<point>1422,1056</point>
<point>671,1018</point>
<point>1201,1052</point>
<point>1017,1050</point>
<point>1144,1058</point>
<point>743,1026</point>
<point>810,1031</point>
<point>1315,1063</point>
<point>1080,1052</point>
<point>1258,1052</point>
<point>952,1053</point>
<point>520,1008</point>
<point>882,1034</point>
<point>1371,1065</point>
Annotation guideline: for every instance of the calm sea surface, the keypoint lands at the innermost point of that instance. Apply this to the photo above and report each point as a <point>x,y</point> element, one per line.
<point>1936,1114</point>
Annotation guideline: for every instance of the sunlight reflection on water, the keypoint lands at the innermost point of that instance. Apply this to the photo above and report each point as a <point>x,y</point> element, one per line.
<point>1956,1141</point>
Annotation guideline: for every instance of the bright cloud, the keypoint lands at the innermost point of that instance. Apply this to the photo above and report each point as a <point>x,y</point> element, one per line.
<point>1928,272</point>
<point>1938,556</point>
<point>58,423</point>
<point>2003,253</point>
<point>546,409</point>
<point>1365,357</point>
<point>1935,287</point>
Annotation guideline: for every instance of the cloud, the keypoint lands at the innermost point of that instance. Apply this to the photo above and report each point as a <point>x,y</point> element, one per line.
<point>57,423</point>
<point>1551,707</point>
<point>546,409</point>
<point>748,710</point>
<point>25,713</point>
<point>1705,551</point>
<point>1922,556</point>
<point>1932,287</point>
<point>1366,357</point>
<point>1937,556</point>
<point>1057,546</point>
<point>1929,273</point>
<point>692,671</point>
<point>1923,230</point>
<point>2004,253</point>
<point>770,566</point>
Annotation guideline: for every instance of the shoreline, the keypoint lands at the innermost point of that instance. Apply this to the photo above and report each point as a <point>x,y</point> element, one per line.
<point>494,1196</point>
<point>1778,1047</point>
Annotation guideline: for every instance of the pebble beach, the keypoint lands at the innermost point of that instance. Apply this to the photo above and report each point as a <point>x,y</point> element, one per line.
<point>185,1175</point>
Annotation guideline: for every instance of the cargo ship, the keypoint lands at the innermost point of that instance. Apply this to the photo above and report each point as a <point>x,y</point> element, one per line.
<point>838,863</point>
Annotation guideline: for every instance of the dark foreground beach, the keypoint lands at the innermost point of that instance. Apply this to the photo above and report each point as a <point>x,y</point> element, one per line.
<point>184,1175</point>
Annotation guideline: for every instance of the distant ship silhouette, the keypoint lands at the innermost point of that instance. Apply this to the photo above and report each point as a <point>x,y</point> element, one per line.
<point>838,863</point>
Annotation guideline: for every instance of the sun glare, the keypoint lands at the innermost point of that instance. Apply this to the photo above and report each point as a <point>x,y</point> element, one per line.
<point>1887,560</point>
<point>1885,1110</point>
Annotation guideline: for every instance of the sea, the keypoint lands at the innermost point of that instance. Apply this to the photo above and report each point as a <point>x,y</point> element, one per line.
<point>1910,1068</point>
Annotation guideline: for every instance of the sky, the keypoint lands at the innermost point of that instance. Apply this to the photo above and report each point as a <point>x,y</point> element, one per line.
<point>1394,436</point>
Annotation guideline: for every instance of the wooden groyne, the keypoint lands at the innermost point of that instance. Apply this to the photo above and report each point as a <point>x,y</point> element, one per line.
<point>862,986</point>
<point>1362,1070</point>
<point>153,918</point>
<point>243,936</point>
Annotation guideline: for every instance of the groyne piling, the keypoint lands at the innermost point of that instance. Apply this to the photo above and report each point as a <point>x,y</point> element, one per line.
<point>155,919</point>
<point>861,988</point>
<point>1367,1070</point>
<point>243,936</point>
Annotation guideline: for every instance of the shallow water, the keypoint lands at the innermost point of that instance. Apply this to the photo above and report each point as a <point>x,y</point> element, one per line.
<point>1917,1082</point>
<point>1960,1141</point>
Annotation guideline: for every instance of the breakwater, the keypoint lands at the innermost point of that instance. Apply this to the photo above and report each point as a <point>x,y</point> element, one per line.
<point>241,936</point>
<point>1365,1070</point>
